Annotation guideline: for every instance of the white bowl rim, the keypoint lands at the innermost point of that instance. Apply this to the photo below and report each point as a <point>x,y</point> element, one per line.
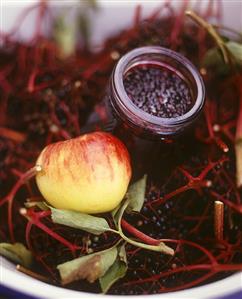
<point>32,287</point>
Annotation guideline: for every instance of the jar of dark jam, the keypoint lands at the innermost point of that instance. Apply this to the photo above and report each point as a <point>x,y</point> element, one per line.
<point>154,96</point>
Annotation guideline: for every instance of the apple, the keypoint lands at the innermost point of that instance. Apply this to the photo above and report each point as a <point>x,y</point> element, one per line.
<point>89,174</point>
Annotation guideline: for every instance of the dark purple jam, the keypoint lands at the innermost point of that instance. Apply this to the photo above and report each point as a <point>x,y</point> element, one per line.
<point>158,91</point>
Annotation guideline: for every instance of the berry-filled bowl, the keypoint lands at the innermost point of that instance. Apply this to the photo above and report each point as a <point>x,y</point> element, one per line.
<point>120,149</point>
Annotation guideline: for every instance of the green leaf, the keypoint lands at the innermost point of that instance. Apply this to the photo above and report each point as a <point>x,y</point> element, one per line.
<point>116,271</point>
<point>88,223</point>
<point>115,214</point>
<point>17,253</point>
<point>115,211</point>
<point>64,34</point>
<point>89,267</point>
<point>213,58</point>
<point>236,50</point>
<point>122,254</point>
<point>136,195</point>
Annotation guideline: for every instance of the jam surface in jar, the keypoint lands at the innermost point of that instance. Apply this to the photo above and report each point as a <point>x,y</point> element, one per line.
<point>158,90</point>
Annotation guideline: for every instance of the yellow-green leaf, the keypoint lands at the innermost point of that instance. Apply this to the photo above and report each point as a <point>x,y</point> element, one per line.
<point>116,271</point>
<point>214,60</point>
<point>136,195</point>
<point>92,224</point>
<point>89,267</point>
<point>17,253</point>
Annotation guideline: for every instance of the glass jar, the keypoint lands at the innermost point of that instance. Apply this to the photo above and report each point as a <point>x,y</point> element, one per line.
<point>149,138</point>
<point>140,122</point>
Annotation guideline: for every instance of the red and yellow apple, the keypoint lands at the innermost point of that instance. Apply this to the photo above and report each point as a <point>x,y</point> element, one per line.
<point>89,174</point>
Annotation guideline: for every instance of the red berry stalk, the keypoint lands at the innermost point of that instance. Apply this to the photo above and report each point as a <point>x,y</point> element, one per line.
<point>238,136</point>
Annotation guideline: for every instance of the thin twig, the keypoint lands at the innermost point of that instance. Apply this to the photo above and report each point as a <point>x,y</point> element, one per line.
<point>12,134</point>
<point>211,30</point>
<point>32,274</point>
<point>218,220</point>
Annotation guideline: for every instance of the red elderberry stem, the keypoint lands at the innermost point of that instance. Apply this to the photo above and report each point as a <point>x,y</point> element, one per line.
<point>170,272</point>
<point>137,15</point>
<point>6,86</point>
<point>209,10</point>
<point>201,267</point>
<point>210,112</point>
<point>167,4</point>
<point>232,185</point>
<point>135,232</point>
<point>200,220</point>
<point>54,235</point>
<point>20,20</point>
<point>102,63</point>
<point>9,198</point>
<point>210,166</point>
<point>48,268</point>
<point>39,22</point>
<point>12,134</point>
<point>33,217</point>
<point>226,129</point>
<point>22,58</point>
<point>62,132</point>
<point>42,214</point>
<point>27,235</point>
<point>236,207</point>
<point>209,255</point>
<point>31,85</point>
<point>16,172</point>
<point>193,283</point>
<point>72,117</point>
<point>194,182</point>
<point>169,195</point>
<point>178,24</point>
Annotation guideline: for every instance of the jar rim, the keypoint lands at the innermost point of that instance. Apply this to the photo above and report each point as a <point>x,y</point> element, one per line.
<point>127,106</point>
